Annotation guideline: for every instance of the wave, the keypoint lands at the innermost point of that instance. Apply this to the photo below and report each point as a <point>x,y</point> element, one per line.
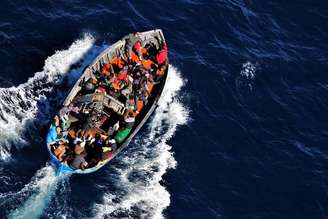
<point>246,77</point>
<point>248,70</point>
<point>18,105</point>
<point>139,190</point>
<point>43,184</point>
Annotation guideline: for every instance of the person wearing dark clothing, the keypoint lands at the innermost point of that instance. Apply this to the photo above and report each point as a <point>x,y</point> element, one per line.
<point>79,162</point>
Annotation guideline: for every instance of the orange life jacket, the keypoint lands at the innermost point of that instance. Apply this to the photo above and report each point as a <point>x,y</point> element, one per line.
<point>105,69</point>
<point>143,50</point>
<point>115,84</point>
<point>147,63</point>
<point>150,86</point>
<point>122,75</point>
<point>117,61</point>
<point>140,105</point>
<point>134,58</point>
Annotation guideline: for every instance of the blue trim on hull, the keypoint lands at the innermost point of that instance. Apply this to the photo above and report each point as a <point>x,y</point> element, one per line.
<point>59,167</point>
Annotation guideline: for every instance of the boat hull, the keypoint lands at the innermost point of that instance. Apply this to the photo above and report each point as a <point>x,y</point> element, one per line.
<point>147,111</point>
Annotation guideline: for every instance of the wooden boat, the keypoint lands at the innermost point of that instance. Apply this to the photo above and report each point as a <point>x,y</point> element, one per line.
<point>91,126</point>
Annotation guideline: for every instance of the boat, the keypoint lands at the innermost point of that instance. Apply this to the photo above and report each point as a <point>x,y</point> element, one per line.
<point>109,103</point>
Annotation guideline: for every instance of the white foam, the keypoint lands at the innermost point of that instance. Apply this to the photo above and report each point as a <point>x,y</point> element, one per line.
<point>19,104</point>
<point>42,186</point>
<point>151,161</point>
<point>248,70</point>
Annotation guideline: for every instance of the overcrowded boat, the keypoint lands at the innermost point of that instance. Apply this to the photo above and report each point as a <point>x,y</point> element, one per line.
<point>109,103</point>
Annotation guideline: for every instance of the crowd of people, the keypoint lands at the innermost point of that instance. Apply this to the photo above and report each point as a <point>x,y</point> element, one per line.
<point>129,78</point>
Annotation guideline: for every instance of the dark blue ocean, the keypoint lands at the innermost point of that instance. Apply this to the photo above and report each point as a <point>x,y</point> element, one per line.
<point>241,131</point>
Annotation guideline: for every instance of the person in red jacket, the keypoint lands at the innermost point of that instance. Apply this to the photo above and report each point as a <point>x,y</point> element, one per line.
<point>162,55</point>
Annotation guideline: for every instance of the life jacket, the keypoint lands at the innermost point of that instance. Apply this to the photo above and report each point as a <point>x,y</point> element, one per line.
<point>147,63</point>
<point>162,55</point>
<point>116,84</point>
<point>105,70</point>
<point>143,50</point>
<point>137,46</point>
<point>100,90</point>
<point>140,105</point>
<point>150,86</point>
<point>122,75</point>
<point>117,61</point>
<point>134,58</point>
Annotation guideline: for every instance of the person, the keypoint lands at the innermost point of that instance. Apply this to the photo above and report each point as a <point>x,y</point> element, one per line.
<point>65,122</point>
<point>79,161</point>
<point>161,57</point>
<point>116,126</point>
<point>88,87</point>
<point>78,149</point>
<point>73,108</point>
<point>90,139</point>
<point>56,121</point>
<point>70,138</point>
<point>129,120</point>
<point>130,41</point>
<point>128,90</point>
<point>99,140</point>
<point>106,70</point>
<point>60,150</point>
<point>160,73</point>
<point>95,149</point>
<point>144,97</point>
<point>116,85</point>
<point>113,144</point>
<point>147,64</point>
<point>59,132</point>
<point>110,131</point>
<point>123,74</point>
<point>63,112</point>
<point>118,61</point>
<point>78,138</point>
<point>106,153</point>
<point>52,135</point>
<point>131,104</point>
<point>136,81</point>
<point>134,58</point>
<point>93,154</point>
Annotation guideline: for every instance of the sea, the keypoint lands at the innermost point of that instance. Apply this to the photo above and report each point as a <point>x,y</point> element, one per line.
<point>240,131</point>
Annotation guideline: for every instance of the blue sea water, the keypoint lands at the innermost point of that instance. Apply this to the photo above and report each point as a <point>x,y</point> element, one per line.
<point>241,131</point>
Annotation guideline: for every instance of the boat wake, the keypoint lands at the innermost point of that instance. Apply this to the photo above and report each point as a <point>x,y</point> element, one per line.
<point>139,170</point>
<point>18,105</point>
<point>42,186</point>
